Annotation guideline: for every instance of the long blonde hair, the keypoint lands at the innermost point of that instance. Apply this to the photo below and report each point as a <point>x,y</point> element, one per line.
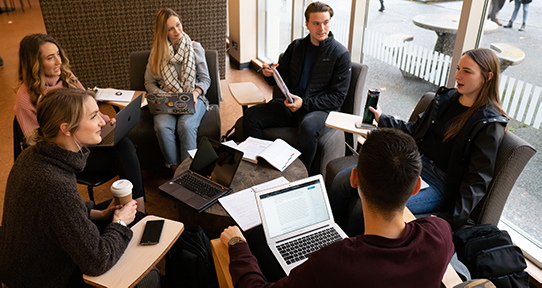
<point>160,50</point>
<point>58,106</point>
<point>30,71</point>
<point>489,93</point>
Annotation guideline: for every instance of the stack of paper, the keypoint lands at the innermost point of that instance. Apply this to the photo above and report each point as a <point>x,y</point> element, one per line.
<point>242,205</point>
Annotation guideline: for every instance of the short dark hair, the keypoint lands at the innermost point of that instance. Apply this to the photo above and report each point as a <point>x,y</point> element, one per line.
<point>388,168</point>
<point>318,7</point>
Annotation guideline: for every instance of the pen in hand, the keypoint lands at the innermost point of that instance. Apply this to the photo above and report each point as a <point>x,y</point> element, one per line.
<point>260,70</point>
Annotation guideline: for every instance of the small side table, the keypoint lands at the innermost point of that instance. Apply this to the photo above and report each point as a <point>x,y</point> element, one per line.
<point>246,93</point>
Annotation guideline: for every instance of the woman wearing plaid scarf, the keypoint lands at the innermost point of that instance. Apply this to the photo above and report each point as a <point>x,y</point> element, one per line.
<point>176,64</point>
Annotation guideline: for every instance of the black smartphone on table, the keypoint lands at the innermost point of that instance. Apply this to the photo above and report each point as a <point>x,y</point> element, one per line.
<point>152,232</point>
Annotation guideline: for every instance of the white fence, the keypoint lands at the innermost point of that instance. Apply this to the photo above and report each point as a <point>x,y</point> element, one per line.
<point>520,100</point>
<point>419,61</point>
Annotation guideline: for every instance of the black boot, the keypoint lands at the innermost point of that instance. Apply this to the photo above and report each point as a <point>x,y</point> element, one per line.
<point>522,28</point>
<point>509,25</point>
<point>381,6</point>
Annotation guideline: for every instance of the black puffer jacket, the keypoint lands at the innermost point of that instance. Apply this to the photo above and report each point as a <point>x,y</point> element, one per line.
<point>330,77</point>
<point>473,158</point>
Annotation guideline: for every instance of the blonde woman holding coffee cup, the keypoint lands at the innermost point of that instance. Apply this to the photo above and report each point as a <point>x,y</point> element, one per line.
<point>48,238</point>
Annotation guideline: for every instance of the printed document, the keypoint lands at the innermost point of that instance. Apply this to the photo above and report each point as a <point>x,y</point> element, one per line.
<point>278,153</point>
<point>114,95</point>
<point>242,205</point>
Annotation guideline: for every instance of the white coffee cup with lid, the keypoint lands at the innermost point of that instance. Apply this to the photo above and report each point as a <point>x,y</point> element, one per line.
<point>122,191</point>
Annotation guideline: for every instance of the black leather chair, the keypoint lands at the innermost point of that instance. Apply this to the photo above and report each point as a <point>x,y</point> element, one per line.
<point>143,136</point>
<point>91,180</point>
<point>331,141</point>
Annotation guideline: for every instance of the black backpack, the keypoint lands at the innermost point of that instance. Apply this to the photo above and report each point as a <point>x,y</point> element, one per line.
<point>488,253</point>
<point>189,263</point>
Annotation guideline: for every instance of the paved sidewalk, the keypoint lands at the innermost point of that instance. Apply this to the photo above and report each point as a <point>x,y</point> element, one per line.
<point>401,94</point>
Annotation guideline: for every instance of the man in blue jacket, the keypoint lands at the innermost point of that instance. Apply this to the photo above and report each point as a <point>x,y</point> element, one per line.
<point>316,69</point>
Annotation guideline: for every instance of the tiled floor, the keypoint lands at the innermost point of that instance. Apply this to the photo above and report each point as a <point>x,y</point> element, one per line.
<point>13,28</point>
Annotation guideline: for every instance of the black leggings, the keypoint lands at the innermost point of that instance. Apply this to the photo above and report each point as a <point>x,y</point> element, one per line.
<point>121,159</point>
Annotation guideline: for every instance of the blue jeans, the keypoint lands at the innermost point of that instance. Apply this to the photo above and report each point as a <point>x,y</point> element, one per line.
<point>341,193</point>
<point>517,3</point>
<point>169,128</point>
<point>433,197</point>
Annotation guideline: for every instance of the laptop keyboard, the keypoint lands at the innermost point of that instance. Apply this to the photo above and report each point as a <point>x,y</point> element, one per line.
<point>109,138</point>
<point>194,184</point>
<point>299,249</point>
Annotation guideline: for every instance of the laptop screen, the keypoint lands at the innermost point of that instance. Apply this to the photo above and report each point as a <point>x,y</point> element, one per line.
<point>216,161</point>
<point>294,208</point>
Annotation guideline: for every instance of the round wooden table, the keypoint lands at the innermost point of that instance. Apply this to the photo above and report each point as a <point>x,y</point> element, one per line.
<point>445,25</point>
<point>215,218</point>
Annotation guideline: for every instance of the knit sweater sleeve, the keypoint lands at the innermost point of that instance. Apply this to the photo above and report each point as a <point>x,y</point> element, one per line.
<point>70,226</point>
<point>25,111</point>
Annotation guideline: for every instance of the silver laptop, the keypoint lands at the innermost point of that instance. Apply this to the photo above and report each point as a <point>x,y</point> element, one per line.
<point>127,118</point>
<point>297,214</point>
<point>171,103</point>
<point>209,176</point>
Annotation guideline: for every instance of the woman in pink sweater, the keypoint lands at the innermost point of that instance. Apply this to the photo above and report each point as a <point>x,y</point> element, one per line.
<point>44,66</point>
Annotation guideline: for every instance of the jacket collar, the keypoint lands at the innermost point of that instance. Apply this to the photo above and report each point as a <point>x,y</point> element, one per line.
<point>323,43</point>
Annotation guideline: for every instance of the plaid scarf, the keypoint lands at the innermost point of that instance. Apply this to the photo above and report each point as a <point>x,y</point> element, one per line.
<point>182,54</point>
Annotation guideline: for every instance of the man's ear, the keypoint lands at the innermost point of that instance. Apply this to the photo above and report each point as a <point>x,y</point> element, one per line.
<point>418,186</point>
<point>64,129</point>
<point>354,180</point>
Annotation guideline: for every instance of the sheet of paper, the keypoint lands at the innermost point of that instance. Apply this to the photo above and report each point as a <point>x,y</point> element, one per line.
<point>231,144</point>
<point>114,95</point>
<point>253,146</point>
<point>242,205</point>
<point>192,152</point>
<point>424,185</point>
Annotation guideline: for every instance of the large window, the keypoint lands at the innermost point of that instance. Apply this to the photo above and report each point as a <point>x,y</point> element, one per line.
<point>277,23</point>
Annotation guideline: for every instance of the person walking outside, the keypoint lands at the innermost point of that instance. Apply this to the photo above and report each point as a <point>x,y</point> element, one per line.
<point>517,4</point>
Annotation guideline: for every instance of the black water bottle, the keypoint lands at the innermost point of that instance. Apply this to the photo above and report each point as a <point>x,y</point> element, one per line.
<point>372,100</point>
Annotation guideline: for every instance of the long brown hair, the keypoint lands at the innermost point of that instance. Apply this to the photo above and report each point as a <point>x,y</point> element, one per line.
<point>160,50</point>
<point>30,71</point>
<point>489,93</point>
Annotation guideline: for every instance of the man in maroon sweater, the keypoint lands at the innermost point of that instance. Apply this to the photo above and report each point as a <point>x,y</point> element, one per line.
<point>391,253</point>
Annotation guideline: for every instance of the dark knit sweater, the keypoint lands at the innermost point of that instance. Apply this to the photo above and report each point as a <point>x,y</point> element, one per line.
<point>46,228</point>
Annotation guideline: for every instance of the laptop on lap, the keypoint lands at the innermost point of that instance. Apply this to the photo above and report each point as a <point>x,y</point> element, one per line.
<point>209,176</point>
<point>127,118</point>
<point>297,220</point>
<point>171,103</point>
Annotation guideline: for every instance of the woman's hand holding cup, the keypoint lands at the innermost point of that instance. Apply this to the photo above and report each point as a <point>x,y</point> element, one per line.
<point>127,213</point>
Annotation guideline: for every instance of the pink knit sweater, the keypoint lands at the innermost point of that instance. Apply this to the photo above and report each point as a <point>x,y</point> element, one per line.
<point>26,111</point>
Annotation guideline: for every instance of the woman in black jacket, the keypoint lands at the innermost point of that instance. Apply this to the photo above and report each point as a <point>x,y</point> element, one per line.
<point>458,135</point>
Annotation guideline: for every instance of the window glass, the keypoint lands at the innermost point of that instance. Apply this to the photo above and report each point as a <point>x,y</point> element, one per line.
<point>405,55</point>
<point>278,28</point>
<point>521,86</point>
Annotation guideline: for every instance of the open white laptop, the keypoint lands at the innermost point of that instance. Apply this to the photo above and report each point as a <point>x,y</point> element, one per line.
<point>297,214</point>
